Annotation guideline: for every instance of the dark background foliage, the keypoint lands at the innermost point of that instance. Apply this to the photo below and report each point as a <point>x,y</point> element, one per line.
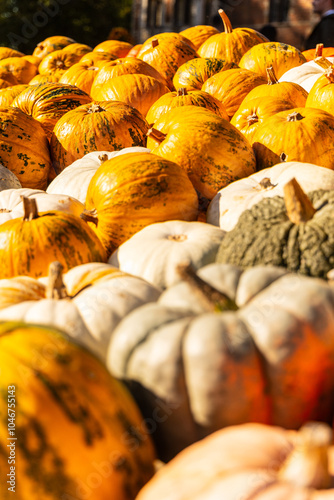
<point>25,23</point>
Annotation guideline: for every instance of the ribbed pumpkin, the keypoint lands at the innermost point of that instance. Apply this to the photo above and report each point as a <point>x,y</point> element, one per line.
<point>289,91</point>
<point>307,73</point>
<point>192,74</point>
<point>182,97</point>
<point>94,57</point>
<point>78,432</point>
<point>211,150</point>
<point>24,147</point>
<point>253,112</point>
<point>7,78</point>
<point>116,48</point>
<point>57,62</point>
<point>8,95</point>
<point>21,68</point>
<point>134,190</point>
<point>50,44</point>
<point>79,49</point>
<point>166,53</point>
<point>321,95</point>
<point>281,56</point>
<point>47,102</point>
<point>318,51</point>
<point>82,75</point>
<point>49,78</point>
<point>298,134</point>
<point>97,126</point>
<point>30,244</point>
<point>199,33</point>
<point>9,52</point>
<point>123,66</point>
<point>230,87</point>
<point>232,43</point>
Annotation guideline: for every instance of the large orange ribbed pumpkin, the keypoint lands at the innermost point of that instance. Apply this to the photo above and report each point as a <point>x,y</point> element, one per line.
<point>50,44</point>
<point>131,191</point>
<point>82,75</point>
<point>97,126</point>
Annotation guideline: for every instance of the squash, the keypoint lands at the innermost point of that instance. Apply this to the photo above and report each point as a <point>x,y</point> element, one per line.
<point>210,150</point>
<point>50,44</point>
<point>101,125</point>
<point>155,252</point>
<point>57,62</point>
<point>30,244</point>
<point>321,95</point>
<point>21,68</point>
<point>24,147</point>
<point>298,134</point>
<point>8,94</point>
<point>192,74</point>
<point>226,346</point>
<point>116,48</point>
<point>250,461</point>
<point>230,202</point>
<point>318,51</point>
<point>183,97</point>
<point>93,58</point>
<point>87,302</point>
<point>74,423</point>
<point>199,33</point>
<point>293,231</point>
<point>8,180</point>
<point>7,78</point>
<point>82,75</point>
<point>133,190</point>
<point>281,56</point>
<point>232,43</point>
<point>47,78</point>
<point>9,52</point>
<point>79,49</point>
<point>307,73</point>
<point>47,102</point>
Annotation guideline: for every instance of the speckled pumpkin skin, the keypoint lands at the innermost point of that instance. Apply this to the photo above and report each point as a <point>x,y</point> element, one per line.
<point>78,432</point>
<point>28,247</point>
<point>265,235</point>
<point>195,72</point>
<point>50,44</point>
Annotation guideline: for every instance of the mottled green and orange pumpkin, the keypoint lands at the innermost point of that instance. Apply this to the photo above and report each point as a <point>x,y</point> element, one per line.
<point>192,74</point>
<point>78,432</point>
<point>97,126</point>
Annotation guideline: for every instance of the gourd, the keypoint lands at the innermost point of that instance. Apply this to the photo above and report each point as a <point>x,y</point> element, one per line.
<point>74,423</point>
<point>116,48</point>
<point>321,94</point>
<point>307,73</point>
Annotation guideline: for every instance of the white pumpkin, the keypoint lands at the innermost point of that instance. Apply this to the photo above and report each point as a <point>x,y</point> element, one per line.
<point>75,178</point>
<point>226,207</point>
<point>155,252</point>
<point>308,73</point>
<point>8,179</point>
<point>11,205</point>
<point>98,297</point>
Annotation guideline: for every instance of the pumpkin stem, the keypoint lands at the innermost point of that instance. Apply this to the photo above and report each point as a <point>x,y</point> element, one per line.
<point>252,119</point>
<point>29,208</point>
<point>55,288</point>
<point>182,91</point>
<point>271,77</point>
<point>323,62</point>
<point>155,42</point>
<point>226,21</point>
<point>103,157</point>
<point>266,183</point>
<point>213,299</point>
<point>90,216</point>
<point>294,116</point>
<point>318,50</point>
<point>95,108</point>
<point>307,465</point>
<point>329,74</point>
<point>156,134</point>
<point>298,205</point>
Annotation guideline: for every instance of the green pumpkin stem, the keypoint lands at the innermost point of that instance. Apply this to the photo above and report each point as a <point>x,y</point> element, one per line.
<point>307,465</point>
<point>55,288</point>
<point>298,205</point>
<point>226,21</point>
<point>29,208</point>
<point>211,298</point>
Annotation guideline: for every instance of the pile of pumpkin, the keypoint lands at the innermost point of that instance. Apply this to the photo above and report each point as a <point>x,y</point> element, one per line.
<point>166,256</point>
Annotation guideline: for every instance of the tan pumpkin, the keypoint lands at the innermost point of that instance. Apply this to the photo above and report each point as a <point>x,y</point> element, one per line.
<point>97,126</point>
<point>192,74</point>
<point>131,191</point>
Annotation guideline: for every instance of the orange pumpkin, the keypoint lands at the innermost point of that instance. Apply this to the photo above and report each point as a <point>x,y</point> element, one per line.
<point>79,49</point>
<point>21,68</point>
<point>93,58</point>
<point>9,52</point>
<point>57,62</point>
<point>82,75</point>
<point>232,44</point>
<point>318,51</point>
<point>97,126</point>
<point>50,44</point>
<point>192,74</point>
<point>199,33</point>
<point>47,102</point>
<point>131,191</point>
<point>321,95</point>
<point>7,78</point>
<point>116,48</point>
<point>29,245</point>
<point>8,94</point>
<point>24,148</point>
<point>49,78</point>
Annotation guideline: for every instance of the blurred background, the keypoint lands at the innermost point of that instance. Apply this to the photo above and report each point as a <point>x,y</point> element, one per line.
<point>24,23</point>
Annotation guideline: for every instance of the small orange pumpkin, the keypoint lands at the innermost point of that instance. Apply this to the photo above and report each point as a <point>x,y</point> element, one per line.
<point>192,74</point>
<point>50,44</point>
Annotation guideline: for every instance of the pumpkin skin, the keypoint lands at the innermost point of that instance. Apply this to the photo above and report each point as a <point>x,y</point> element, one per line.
<point>79,49</point>
<point>306,248</point>
<point>50,44</point>
<point>227,206</point>
<point>201,142</point>
<point>21,68</point>
<point>191,361</point>
<point>94,299</point>
<point>82,75</point>
<point>47,102</point>
<point>24,148</point>
<point>230,87</point>
<point>163,246</point>
<point>95,57</point>
<point>253,112</point>
<point>281,56</point>
<point>293,135</point>
<point>49,78</point>
<point>199,33</point>
<point>182,97</point>
<point>142,186</point>
<point>232,43</point>
<point>8,94</point>
<point>7,78</point>
<point>192,74</point>
<point>80,400</point>
<point>57,62</point>
<point>321,94</point>
<point>117,48</point>
<point>248,461</point>
<point>9,52</point>
<point>137,90</point>
<point>29,246</point>
<point>104,125</point>
<point>307,73</point>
